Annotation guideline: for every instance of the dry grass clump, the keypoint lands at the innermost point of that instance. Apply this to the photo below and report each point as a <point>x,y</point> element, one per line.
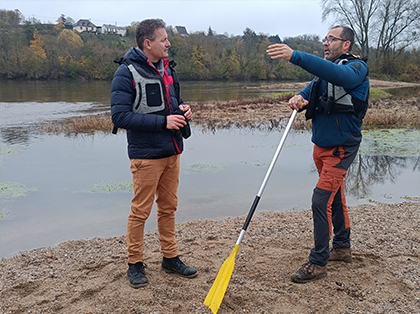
<point>280,86</point>
<point>393,113</point>
<point>264,113</point>
<point>78,125</point>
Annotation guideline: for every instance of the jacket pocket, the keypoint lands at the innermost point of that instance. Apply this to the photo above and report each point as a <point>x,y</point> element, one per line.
<point>153,94</point>
<point>135,164</point>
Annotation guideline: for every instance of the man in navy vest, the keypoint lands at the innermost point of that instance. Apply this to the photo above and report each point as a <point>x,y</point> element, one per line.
<point>336,101</point>
<point>146,101</point>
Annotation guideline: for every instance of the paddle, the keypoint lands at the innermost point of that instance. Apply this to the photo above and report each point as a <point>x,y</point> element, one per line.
<point>217,291</point>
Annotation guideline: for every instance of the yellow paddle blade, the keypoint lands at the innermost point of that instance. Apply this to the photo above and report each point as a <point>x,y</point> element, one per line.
<point>217,291</point>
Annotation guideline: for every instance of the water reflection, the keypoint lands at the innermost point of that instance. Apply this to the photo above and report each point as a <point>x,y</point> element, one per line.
<point>368,171</point>
<point>55,91</point>
<point>18,135</point>
<point>365,172</point>
<point>25,103</point>
<point>404,91</point>
<point>220,174</point>
<point>100,91</point>
<point>208,91</point>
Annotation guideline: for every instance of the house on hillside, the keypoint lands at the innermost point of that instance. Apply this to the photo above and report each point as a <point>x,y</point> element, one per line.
<point>113,29</point>
<point>181,30</point>
<point>84,26</point>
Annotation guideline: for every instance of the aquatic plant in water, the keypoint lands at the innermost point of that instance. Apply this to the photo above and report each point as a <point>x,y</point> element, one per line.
<point>206,166</point>
<point>3,214</point>
<point>391,142</point>
<point>13,190</point>
<point>104,187</point>
<point>7,150</point>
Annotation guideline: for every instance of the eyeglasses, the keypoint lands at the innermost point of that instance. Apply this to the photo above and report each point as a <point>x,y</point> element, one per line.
<point>330,39</point>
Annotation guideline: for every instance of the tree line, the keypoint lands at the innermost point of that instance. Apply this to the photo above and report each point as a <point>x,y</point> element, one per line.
<point>32,50</point>
<point>386,31</point>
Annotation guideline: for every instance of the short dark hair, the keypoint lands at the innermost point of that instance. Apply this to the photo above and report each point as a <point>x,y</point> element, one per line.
<point>146,30</point>
<point>347,33</point>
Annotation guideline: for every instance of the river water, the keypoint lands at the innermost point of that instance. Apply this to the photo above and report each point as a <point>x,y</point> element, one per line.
<point>55,188</point>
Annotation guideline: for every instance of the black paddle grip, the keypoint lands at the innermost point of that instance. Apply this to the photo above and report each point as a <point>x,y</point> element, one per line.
<point>251,212</point>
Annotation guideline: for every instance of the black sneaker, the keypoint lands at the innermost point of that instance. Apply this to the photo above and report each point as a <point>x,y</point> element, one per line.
<point>136,275</point>
<point>174,265</point>
<point>309,272</point>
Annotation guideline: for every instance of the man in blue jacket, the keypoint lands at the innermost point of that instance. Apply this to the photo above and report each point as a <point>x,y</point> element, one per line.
<point>336,101</point>
<point>146,101</point>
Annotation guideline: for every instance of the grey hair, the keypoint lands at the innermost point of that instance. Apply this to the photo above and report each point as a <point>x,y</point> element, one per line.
<point>347,33</point>
<point>146,30</point>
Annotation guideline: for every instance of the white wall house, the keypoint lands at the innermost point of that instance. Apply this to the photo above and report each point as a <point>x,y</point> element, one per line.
<point>113,29</point>
<point>84,26</point>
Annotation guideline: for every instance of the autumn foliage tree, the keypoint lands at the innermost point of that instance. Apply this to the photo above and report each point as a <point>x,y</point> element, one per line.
<point>31,50</point>
<point>38,57</point>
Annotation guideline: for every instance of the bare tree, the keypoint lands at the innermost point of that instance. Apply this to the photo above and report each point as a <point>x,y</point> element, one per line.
<point>358,14</point>
<point>389,24</point>
<point>70,21</point>
<point>400,21</point>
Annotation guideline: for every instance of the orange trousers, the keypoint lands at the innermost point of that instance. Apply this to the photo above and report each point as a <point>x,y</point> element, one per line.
<point>160,178</point>
<point>329,207</point>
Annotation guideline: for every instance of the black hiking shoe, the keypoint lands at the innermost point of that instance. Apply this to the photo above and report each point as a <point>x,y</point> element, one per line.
<point>174,265</point>
<point>309,272</point>
<point>340,254</point>
<point>136,275</point>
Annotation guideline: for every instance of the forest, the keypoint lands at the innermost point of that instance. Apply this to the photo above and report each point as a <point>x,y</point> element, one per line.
<point>32,50</point>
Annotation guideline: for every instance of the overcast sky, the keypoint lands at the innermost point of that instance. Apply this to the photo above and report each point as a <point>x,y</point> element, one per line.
<point>286,18</point>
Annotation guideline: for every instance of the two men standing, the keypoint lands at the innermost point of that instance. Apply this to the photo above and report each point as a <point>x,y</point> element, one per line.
<point>146,102</point>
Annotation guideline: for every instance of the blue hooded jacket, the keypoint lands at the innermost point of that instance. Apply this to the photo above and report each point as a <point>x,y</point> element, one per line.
<point>336,128</point>
<point>147,135</point>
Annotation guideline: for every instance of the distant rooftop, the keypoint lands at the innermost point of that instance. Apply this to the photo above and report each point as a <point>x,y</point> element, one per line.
<point>180,30</point>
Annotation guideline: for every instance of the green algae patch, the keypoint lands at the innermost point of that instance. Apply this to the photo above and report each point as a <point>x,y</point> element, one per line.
<point>104,187</point>
<point>3,214</point>
<point>13,190</point>
<point>391,142</point>
<point>281,94</point>
<point>376,94</point>
<point>206,166</point>
<point>411,198</point>
<point>6,151</point>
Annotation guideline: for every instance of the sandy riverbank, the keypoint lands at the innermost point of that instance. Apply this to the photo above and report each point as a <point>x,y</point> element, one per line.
<point>90,276</point>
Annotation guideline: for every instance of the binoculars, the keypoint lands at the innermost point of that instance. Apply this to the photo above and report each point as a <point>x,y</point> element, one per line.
<point>185,130</point>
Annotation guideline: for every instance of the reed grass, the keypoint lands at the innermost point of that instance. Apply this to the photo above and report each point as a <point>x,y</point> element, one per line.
<point>263,113</point>
<point>78,125</point>
<point>393,113</point>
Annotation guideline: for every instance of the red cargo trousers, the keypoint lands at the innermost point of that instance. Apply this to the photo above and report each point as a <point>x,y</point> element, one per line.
<point>160,178</point>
